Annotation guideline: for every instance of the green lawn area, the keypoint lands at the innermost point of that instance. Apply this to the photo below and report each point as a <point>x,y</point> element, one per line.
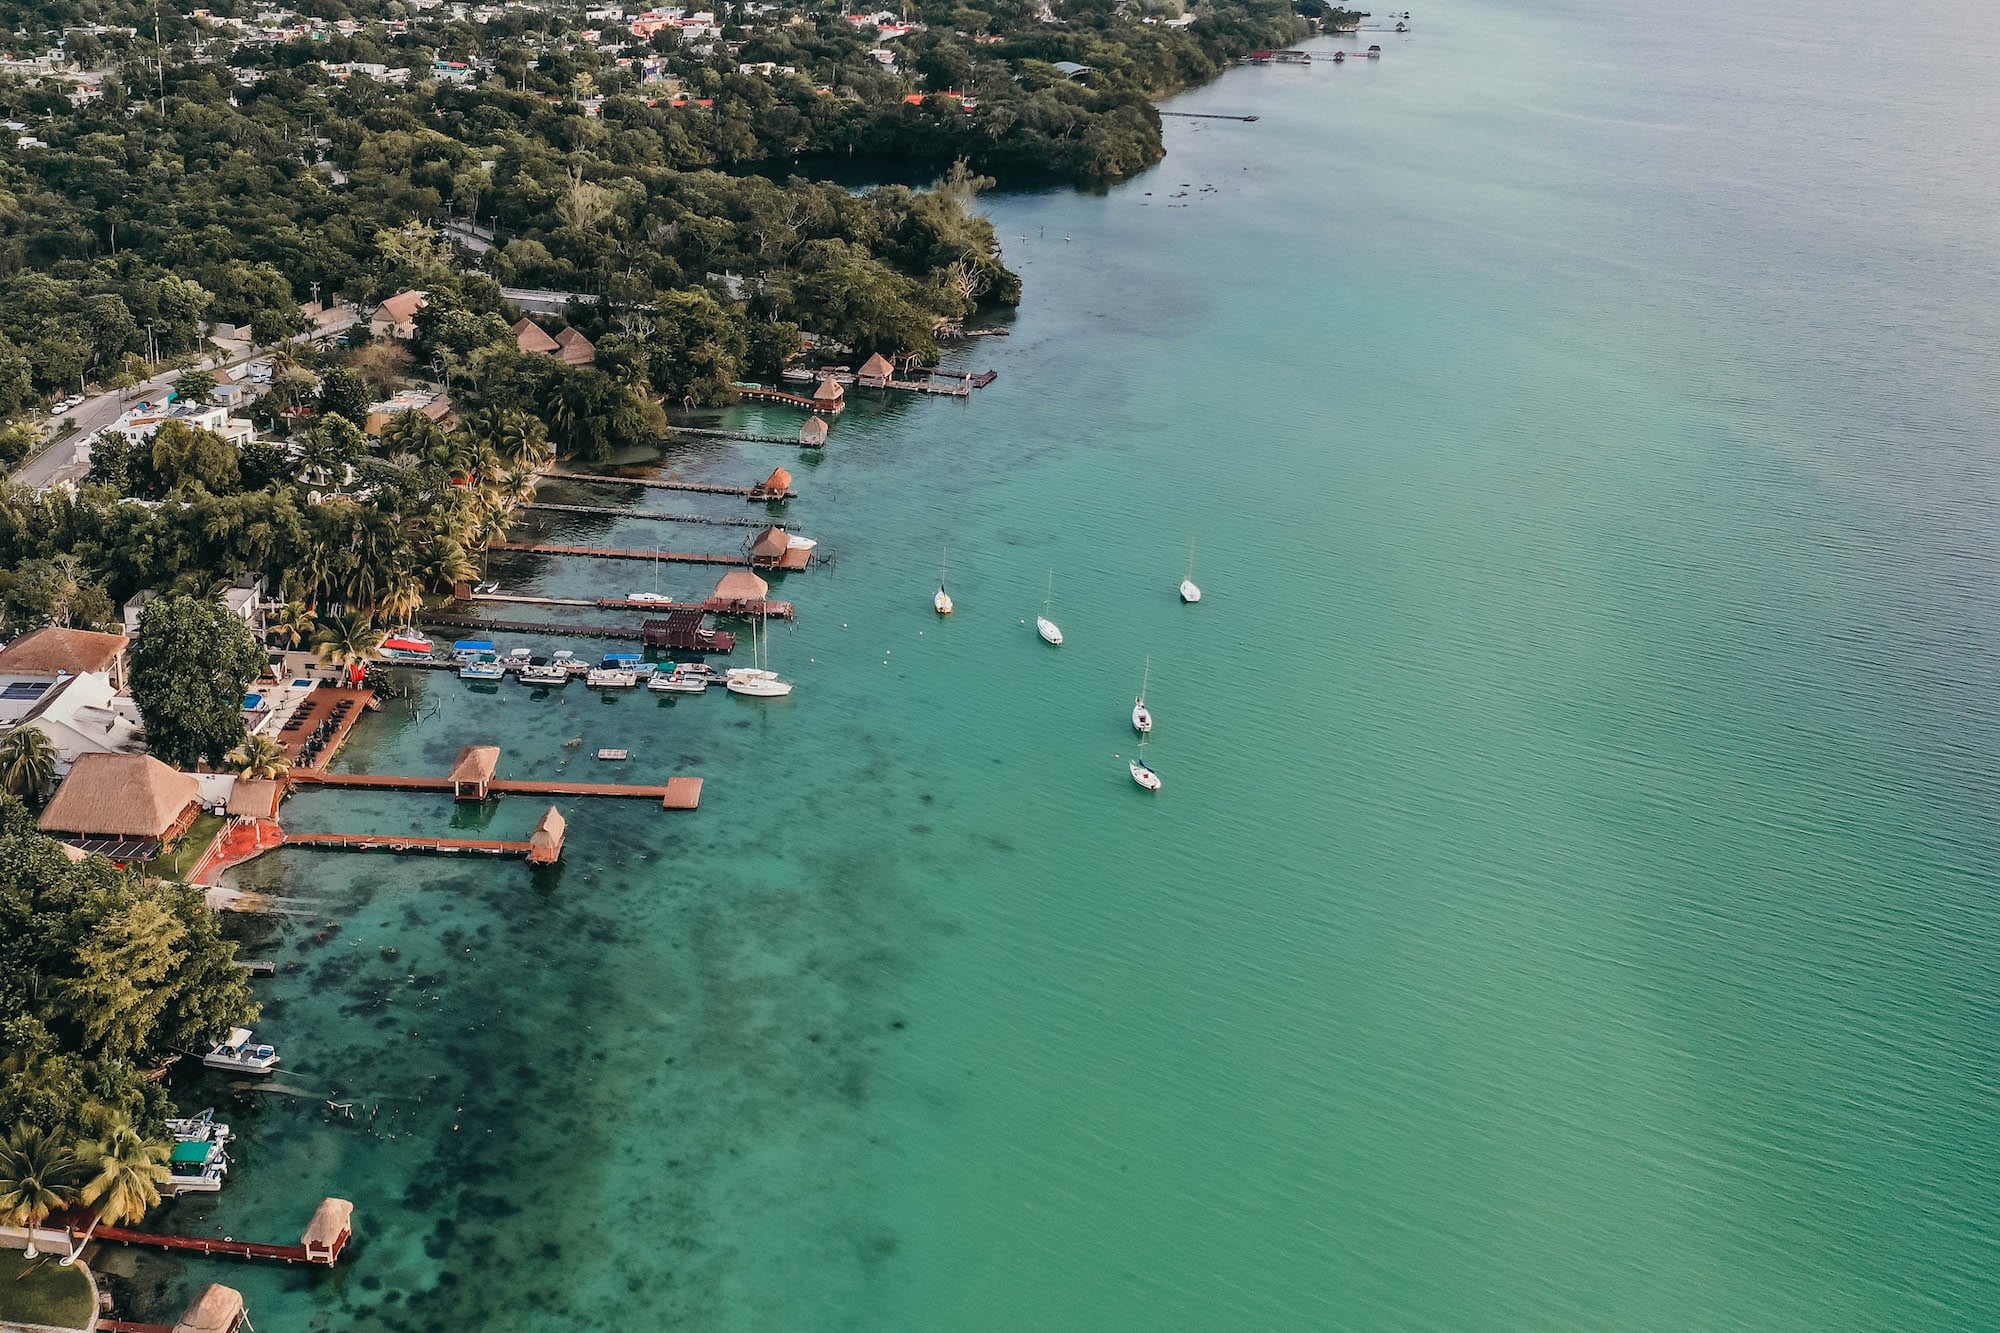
<point>47,1294</point>
<point>180,859</point>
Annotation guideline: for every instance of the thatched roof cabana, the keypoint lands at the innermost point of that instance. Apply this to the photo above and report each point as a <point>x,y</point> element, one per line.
<point>532,337</point>
<point>472,771</point>
<point>253,798</point>
<point>332,1223</point>
<point>575,349</point>
<point>216,1309</point>
<point>813,432</point>
<point>829,391</point>
<point>779,481</point>
<point>123,796</point>
<point>740,585</point>
<point>876,371</point>
<point>770,546</point>
<point>545,843</point>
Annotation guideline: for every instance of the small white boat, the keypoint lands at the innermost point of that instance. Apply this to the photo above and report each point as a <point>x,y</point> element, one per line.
<point>482,671</point>
<point>1142,717</point>
<point>677,682</point>
<point>611,678</point>
<point>800,543</point>
<point>609,753</point>
<point>240,1053</point>
<point>1142,774</point>
<point>698,671</point>
<point>942,602</point>
<point>1190,593</point>
<point>1048,629</point>
<point>406,645</point>
<point>544,673</point>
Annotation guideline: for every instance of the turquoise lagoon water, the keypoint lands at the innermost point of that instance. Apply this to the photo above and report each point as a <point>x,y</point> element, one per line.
<point>1572,900</point>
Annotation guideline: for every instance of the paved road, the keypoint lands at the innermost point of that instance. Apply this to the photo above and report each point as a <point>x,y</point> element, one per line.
<point>69,458</point>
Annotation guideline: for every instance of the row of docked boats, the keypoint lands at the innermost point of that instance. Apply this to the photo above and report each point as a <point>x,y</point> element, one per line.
<point>628,671</point>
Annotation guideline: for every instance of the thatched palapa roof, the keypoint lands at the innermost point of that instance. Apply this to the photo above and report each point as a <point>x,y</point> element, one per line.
<point>253,798</point>
<point>330,1221</point>
<point>575,349</point>
<point>740,585</point>
<point>549,832</point>
<point>779,480</point>
<point>814,431</point>
<point>120,795</point>
<point>475,763</point>
<point>532,337</point>
<point>829,391</point>
<point>771,544</point>
<point>876,367</point>
<point>218,1309</point>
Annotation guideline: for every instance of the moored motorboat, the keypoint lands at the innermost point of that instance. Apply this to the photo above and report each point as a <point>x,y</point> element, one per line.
<point>611,678</point>
<point>196,1163</point>
<point>540,671</point>
<point>677,682</point>
<point>482,671</point>
<point>240,1052</point>
<point>405,644</point>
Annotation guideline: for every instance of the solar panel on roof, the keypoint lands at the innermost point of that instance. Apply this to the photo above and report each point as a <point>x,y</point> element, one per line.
<point>18,690</point>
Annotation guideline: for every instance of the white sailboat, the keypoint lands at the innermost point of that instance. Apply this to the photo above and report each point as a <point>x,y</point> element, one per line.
<point>1189,592</point>
<point>1051,632</point>
<point>942,602</point>
<point>1142,717</point>
<point>755,681</point>
<point>1141,774</point>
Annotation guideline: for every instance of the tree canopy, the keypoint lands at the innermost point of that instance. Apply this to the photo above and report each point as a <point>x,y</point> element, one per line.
<point>189,670</point>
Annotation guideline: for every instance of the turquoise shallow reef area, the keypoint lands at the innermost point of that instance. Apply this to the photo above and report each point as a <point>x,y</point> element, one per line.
<point>1572,903</point>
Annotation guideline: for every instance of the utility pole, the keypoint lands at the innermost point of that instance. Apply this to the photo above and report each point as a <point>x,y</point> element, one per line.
<point>163,61</point>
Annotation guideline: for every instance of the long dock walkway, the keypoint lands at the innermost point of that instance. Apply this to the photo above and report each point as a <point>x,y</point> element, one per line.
<point>404,842</point>
<point>212,1245</point>
<point>755,494</point>
<point>613,511</point>
<point>673,794</point>
<point>714,606</point>
<point>717,433</point>
<point>762,395</point>
<point>605,553</point>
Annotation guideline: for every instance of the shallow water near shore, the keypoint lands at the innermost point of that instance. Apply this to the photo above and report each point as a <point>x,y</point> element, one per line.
<point>1572,902</point>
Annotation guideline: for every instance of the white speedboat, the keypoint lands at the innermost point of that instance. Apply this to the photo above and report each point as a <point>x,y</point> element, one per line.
<point>793,543</point>
<point>482,671</point>
<point>238,1052</point>
<point>1142,717</point>
<point>1190,593</point>
<point>677,682</point>
<point>611,678</point>
<point>942,602</point>
<point>699,671</point>
<point>1048,629</point>
<point>544,673</point>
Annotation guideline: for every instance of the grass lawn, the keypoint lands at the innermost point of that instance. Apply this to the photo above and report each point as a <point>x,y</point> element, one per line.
<point>177,861</point>
<point>42,1291</point>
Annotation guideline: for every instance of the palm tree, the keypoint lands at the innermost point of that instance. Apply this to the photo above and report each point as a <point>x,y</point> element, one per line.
<point>349,640</point>
<point>37,1177</point>
<point>27,763</point>
<point>293,625</point>
<point>126,1172</point>
<point>260,757</point>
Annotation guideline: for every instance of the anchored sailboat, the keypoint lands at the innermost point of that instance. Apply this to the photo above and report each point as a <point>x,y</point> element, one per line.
<point>942,602</point>
<point>1142,717</point>
<point>1048,629</point>
<point>756,681</point>
<point>1143,775</point>
<point>1189,592</point>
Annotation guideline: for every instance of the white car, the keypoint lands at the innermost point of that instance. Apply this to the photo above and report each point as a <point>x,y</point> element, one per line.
<point>647,597</point>
<point>60,408</point>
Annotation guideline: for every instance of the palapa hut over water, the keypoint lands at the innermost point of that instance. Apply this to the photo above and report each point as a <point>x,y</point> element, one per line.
<point>875,372</point>
<point>473,771</point>
<point>215,1309</point>
<point>546,842</point>
<point>124,805</point>
<point>740,590</point>
<point>814,432</point>
<point>830,396</point>
<point>769,547</point>
<point>774,487</point>
<point>332,1223</point>
<point>253,798</point>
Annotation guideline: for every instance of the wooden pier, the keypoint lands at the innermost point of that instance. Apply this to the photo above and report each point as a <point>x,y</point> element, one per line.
<point>608,553</point>
<point>326,1236</point>
<point>719,641</point>
<point>962,386</point>
<point>714,606</point>
<point>324,704</point>
<point>755,494</point>
<point>762,395</point>
<point>612,511</point>
<point>1207,115</point>
<point>405,842</point>
<point>673,794</point>
<point>752,437</point>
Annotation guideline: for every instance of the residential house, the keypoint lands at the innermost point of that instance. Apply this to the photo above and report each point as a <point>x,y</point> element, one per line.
<point>45,656</point>
<point>531,337</point>
<point>83,715</point>
<point>575,349</point>
<point>432,403</point>
<point>397,317</point>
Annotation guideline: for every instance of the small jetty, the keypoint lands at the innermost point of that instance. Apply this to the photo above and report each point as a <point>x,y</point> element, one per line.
<point>542,847</point>
<point>472,779</point>
<point>713,606</point>
<point>800,441</point>
<point>326,1235</point>
<point>761,493</point>
<point>613,553</point>
<point>316,729</point>
<point>1279,58</point>
<point>1207,115</point>
<point>628,633</point>
<point>612,511</point>
<point>758,393</point>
